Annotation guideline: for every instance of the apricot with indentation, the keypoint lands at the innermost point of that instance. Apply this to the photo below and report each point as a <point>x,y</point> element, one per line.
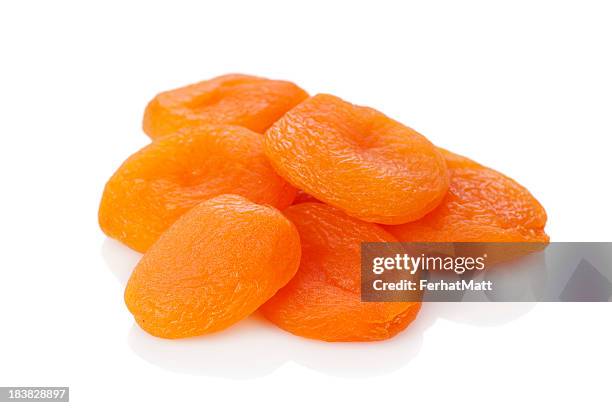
<point>213,267</point>
<point>482,205</point>
<point>158,184</point>
<point>357,159</point>
<point>244,100</point>
<point>323,300</point>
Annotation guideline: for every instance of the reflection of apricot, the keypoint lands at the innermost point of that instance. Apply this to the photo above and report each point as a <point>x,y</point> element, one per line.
<point>482,205</point>
<point>357,159</point>
<point>323,300</point>
<point>216,265</point>
<point>156,185</point>
<point>253,102</point>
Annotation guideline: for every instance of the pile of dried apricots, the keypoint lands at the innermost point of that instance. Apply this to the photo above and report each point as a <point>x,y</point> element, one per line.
<point>253,196</point>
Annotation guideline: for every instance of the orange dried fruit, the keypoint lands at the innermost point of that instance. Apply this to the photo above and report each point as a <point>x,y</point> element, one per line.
<point>244,100</point>
<point>213,267</point>
<point>357,159</point>
<point>482,205</point>
<point>159,183</point>
<point>323,300</point>
<point>303,197</point>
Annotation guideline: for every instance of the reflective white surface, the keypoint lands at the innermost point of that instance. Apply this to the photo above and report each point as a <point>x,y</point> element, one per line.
<point>255,347</point>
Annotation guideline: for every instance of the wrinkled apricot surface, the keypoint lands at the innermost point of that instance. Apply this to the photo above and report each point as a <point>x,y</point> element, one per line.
<point>216,265</point>
<point>253,102</point>
<point>357,159</point>
<point>158,184</point>
<point>482,205</point>
<point>323,300</point>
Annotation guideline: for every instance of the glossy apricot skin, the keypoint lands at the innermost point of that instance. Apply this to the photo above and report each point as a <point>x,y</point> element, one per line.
<point>357,159</point>
<point>234,99</point>
<point>323,300</point>
<point>212,268</point>
<point>159,183</point>
<point>482,205</point>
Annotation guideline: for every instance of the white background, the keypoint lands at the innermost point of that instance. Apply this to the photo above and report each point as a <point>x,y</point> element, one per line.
<point>522,86</point>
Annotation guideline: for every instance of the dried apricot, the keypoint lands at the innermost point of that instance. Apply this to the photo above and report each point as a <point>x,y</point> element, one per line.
<point>357,159</point>
<point>323,300</point>
<point>482,205</point>
<point>213,267</point>
<point>158,184</point>
<point>303,197</point>
<point>253,102</point>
